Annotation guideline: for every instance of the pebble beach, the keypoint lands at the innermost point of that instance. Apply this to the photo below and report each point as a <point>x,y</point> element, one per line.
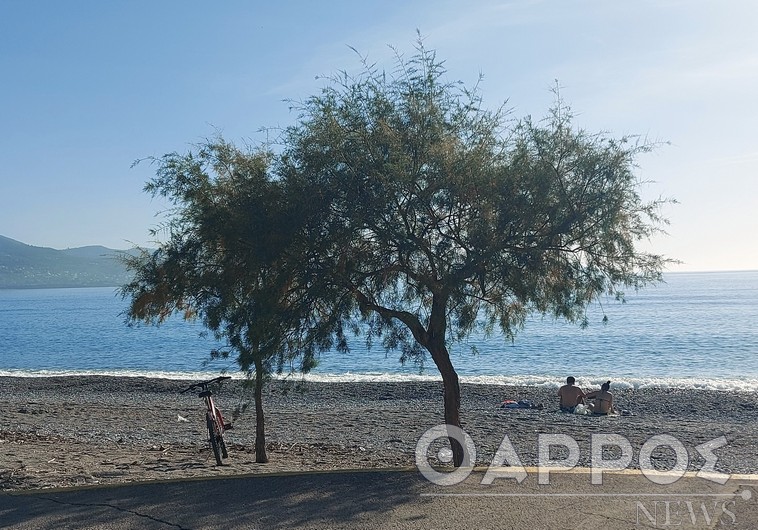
<point>89,430</point>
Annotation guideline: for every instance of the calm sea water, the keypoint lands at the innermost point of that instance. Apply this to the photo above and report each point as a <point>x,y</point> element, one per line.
<point>696,330</point>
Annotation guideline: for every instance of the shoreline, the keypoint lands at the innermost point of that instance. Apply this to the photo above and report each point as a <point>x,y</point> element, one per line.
<point>78,430</point>
<point>748,385</point>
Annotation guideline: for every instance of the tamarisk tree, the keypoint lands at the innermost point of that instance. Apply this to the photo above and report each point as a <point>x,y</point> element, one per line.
<point>438,215</point>
<point>226,261</point>
<point>398,204</point>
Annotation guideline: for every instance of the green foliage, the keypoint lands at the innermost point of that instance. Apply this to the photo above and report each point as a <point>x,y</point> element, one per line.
<point>227,259</point>
<point>441,212</point>
<point>397,201</point>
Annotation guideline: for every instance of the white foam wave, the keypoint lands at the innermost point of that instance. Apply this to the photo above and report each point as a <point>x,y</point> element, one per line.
<point>116,373</point>
<point>591,383</point>
<point>546,381</point>
<point>543,381</point>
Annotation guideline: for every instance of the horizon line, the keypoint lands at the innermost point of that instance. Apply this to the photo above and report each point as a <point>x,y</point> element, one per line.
<point>753,269</point>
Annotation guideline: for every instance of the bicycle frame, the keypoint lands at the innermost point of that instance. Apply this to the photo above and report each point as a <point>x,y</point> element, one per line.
<point>214,412</point>
<point>213,417</point>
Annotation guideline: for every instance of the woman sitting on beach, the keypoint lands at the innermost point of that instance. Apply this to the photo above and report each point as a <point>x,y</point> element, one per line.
<point>603,400</point>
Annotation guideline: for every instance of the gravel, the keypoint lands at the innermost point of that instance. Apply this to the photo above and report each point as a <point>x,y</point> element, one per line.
<point>76,430</point>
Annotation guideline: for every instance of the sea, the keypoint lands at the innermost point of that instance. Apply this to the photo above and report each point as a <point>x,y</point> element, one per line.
<point>695,330</point>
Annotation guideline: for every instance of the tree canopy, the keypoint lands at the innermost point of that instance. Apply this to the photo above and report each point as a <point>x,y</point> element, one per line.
<point>225,261</point>
<point>443,215</point>
<point>399,201</point>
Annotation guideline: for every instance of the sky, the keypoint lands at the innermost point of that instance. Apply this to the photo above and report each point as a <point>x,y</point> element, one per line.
<point>89,87</point>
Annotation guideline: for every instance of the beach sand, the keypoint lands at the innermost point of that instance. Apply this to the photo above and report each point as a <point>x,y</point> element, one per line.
<point>87,430</point>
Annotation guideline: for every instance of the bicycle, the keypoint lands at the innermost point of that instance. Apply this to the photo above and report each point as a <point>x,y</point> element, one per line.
<point>213,418</point>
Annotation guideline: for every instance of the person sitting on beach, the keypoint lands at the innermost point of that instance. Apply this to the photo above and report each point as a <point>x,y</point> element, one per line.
<point>570,395</point>
<point>603,400</point>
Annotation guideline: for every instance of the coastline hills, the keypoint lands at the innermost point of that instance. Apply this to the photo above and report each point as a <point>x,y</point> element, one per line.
<point>25,266</point>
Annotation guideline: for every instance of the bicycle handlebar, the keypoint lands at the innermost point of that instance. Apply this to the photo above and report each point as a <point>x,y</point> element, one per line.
<point>203,384</point>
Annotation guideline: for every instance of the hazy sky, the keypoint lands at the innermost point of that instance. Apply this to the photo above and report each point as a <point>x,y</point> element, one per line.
<point>87,87</point>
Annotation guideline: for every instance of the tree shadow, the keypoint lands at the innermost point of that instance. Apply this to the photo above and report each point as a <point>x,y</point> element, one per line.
<point>264,501</point>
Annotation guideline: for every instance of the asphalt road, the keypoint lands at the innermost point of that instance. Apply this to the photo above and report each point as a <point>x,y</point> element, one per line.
<point>391,500</point>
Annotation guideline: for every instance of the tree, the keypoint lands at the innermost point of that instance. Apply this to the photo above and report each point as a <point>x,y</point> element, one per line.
<point>226,261</point>
<point>438,215</point>
<point>400,202</point>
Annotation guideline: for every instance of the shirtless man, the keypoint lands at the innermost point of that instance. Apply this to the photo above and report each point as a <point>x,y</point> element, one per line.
<point>603,400</point>
<point>570,395</point>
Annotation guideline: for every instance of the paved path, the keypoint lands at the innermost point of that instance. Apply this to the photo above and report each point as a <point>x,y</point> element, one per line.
<point>391,500</point>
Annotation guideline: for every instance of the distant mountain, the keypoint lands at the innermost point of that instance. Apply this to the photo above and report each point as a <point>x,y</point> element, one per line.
<point>24,266</point>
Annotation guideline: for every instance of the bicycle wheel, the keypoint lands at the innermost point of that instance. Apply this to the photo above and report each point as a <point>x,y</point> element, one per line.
<point>214,438</point>
<point>221,430</point>
<point>222,444</point>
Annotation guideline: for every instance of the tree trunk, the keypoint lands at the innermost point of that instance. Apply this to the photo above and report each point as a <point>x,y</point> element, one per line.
<point>260,430</point>
<point>433,339</point>
<point>450,385</point>
<point>452,396</point>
